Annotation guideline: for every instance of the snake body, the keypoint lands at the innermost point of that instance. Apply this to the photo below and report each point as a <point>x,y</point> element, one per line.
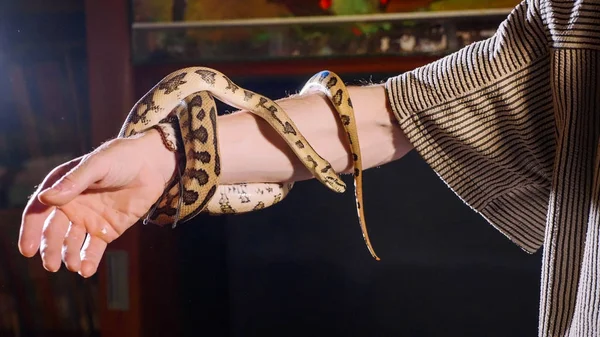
<point>186,98</point>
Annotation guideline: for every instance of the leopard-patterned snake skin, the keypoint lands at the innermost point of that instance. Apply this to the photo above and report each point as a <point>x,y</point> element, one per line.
<point>187,97</point>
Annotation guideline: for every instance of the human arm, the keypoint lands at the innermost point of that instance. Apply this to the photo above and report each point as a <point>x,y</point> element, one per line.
<point>251,151</point>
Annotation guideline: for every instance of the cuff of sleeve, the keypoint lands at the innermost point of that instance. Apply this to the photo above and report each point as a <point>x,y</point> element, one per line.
<point>517,211</point>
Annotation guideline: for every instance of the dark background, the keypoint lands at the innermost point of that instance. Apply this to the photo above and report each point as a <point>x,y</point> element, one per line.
<point>301,268</point>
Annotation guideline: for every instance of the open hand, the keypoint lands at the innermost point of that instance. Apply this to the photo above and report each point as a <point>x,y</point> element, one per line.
<point>84,204</point>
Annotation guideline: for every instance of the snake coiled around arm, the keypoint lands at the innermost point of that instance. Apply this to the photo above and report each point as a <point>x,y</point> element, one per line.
<point>186,98</point>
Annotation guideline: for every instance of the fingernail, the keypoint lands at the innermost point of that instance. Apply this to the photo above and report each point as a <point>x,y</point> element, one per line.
<point>72,266</point>
<point>58,186</point>
<point>86,269</point>
<point>49,266</point>
<point>55,189</point>
<point>27,248</point>
<point>49,191</point>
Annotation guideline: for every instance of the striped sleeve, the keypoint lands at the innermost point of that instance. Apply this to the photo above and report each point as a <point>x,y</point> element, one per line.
<point>482,118</point>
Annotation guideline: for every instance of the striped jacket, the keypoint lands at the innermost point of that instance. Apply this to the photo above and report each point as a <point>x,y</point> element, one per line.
<point>512,125</point>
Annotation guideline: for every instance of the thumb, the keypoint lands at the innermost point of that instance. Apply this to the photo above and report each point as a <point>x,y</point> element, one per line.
<point>90,170</point>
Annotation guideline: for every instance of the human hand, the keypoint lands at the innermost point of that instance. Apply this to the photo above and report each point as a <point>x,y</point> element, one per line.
<point>86,203</point>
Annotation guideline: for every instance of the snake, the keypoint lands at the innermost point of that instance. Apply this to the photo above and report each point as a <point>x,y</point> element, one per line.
<point>182,107</point>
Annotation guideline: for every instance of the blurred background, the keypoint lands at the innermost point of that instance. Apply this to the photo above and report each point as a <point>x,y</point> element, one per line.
<point>70,72</point>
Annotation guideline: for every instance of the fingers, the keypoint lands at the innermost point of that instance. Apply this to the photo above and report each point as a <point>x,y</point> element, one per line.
<point>53,236</point>
<point>72,245</point>
<point>89,170</point>
<point>57,227</point>
<point>91,254</point>
<point>32,222</point>
<point>80,253</point>
<point>36,213</point>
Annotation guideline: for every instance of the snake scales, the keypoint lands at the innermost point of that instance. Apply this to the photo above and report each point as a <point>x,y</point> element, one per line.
<point>186,98</point>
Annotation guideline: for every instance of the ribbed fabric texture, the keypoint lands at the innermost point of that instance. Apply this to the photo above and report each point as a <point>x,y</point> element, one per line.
<point>512,125</point>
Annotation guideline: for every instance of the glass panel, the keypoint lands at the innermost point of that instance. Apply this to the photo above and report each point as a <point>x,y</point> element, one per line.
<point>231,30</point>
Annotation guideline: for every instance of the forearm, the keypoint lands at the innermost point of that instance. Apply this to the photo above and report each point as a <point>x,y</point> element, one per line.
<point>252,151</point>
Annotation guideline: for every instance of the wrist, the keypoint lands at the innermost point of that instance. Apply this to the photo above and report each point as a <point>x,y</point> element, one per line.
<point>163,159</point>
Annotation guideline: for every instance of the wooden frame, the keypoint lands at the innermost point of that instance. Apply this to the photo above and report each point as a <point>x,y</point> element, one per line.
<point>111,96</point>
